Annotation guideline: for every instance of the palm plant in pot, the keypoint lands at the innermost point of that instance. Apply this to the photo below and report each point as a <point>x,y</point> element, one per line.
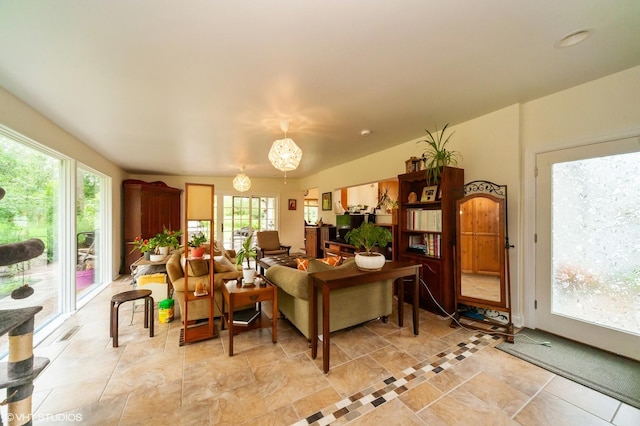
<point>368,236</point>
<point>247,252</point>
<point>196,241</point>
<point>436,155</point>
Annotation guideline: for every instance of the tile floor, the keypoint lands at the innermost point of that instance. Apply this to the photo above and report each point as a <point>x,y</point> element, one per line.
<point>380,374</point>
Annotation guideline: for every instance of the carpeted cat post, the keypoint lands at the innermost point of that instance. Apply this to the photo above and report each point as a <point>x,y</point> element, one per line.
<point>22,367</point>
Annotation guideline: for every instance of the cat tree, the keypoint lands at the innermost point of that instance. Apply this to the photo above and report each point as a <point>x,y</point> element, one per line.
<point>22,368</point>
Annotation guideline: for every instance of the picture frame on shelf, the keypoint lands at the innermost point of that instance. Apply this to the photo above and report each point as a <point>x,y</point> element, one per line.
<point>293,204</point>
<point>429,194</point>
<point>326,201</point>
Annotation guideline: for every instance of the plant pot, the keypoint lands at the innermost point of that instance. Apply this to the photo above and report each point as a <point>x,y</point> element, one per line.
<point>157,257</point>
<point>197,252</point>
<point>147,255</point>
<point>248,275</point>
<point>163,250</point>
<point>370,261</point>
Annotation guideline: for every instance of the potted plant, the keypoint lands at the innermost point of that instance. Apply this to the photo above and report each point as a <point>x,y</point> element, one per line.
<point>247,252</point>
<point>368,236</point>
<point>166,240</point>
<point>143,245</point>
<point>436,155</point>
<point>196,241</point>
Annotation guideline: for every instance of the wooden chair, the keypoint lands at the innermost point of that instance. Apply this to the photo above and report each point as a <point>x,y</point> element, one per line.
<point>268,244</point>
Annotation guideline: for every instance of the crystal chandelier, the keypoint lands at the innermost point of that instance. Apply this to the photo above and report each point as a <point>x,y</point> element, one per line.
<point>241,182</point>
<point>285,155</point>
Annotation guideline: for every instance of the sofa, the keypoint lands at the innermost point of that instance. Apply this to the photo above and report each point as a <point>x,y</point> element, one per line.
<point>349,306</point>
<point>199,272</point>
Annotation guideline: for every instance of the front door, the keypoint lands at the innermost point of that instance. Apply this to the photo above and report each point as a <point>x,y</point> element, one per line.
<point>588,245</point>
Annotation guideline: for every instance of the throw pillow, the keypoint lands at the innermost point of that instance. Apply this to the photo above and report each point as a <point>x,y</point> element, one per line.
<point>224,264</point>
<point>315,265</point>
<point>303,264</point>
<point>197,268</point>
<point>332,260</point>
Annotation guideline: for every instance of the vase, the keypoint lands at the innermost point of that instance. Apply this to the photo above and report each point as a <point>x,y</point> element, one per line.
<point>197,252</point>
<point>163,250</point>
<point>248,275</point>
<point>147,255</point>
<point>370,261</point>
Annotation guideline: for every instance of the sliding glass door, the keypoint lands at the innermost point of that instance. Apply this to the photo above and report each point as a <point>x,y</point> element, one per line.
<point>243,214</point>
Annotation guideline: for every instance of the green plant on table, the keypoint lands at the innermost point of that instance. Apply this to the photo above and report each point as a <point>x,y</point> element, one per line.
<point>368,236</point>
<point>246,252</point>
<point>197,240</point>
<point>166,238</point>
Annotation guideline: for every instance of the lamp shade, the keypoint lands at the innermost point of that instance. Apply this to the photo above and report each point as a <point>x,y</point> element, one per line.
<point>241,182</point>
<point>285,155</point>
<point>199,201</point>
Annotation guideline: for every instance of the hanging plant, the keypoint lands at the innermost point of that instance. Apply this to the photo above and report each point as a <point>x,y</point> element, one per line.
<point>436,155</point>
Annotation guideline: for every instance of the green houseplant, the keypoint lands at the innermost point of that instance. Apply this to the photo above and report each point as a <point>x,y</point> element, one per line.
<point>196,242</point>
<point>368,236</point>
<point>436,155</point>
<point>247,252</point>
<point>166,238</point>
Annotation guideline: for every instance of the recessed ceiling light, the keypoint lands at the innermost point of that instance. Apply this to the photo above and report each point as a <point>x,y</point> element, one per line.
<point>573,38</point>
<point>365,132</point>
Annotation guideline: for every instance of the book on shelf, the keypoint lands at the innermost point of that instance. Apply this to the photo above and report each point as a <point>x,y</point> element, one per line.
<point>428,243</point>
<point>424,220</point>
<point>245,317</point>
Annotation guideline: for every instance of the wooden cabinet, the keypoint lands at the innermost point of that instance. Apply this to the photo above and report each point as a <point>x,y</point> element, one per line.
<point>147,207</point>
<point>314,238</point>
<point>427,234</point>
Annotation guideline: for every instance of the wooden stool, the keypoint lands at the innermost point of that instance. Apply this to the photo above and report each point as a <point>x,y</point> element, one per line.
<point>128,296</point>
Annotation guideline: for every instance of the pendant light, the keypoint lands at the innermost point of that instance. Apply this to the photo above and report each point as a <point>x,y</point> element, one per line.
<point>241,182</point>
<point>285,155</point>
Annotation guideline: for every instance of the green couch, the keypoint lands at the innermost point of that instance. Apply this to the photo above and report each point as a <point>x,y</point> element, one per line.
<point>349,306</point>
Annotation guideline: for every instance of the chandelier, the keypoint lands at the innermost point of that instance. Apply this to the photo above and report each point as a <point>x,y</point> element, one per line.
<point>285,155</point>
<point>241,182</point>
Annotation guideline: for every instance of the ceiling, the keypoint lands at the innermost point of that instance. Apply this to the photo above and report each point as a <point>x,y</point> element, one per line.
<point>201,87</point>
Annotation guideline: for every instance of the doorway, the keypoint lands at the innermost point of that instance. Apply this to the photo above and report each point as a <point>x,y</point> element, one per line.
<point>587,252</point>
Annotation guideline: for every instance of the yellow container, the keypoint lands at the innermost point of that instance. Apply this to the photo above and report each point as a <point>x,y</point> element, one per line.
<point>165,311</point>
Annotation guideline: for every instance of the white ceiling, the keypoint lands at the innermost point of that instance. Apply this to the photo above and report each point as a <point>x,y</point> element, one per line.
<point>200,87</point>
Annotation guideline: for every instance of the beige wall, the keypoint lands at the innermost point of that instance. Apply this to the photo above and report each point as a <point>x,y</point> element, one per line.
<point>601,110</point>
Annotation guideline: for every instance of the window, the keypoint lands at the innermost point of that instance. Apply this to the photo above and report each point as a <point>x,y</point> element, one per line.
<point>242,214</point>
<point>310,210</point>
<point>39,185</point>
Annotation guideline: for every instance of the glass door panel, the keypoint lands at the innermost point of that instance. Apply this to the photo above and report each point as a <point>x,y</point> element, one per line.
<point>587,254</point>
<point>88,210</point>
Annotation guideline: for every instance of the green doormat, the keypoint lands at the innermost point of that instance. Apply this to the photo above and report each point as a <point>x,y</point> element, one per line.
<point>610,374</point>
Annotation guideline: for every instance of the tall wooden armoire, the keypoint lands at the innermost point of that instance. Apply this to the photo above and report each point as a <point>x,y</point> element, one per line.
<point>147,207</point>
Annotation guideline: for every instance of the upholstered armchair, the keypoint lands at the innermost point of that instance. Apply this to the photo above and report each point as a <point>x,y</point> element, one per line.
<point>268,244</point>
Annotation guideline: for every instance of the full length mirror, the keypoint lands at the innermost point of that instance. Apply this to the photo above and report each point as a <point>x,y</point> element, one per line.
<point>482,276</point>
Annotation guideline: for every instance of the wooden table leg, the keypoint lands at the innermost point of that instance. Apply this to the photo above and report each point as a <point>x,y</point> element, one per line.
<point>275,315</point>
<point>400,287</point>
<point>150,302</point>
<point>230,325</point>
<point>313,316</point>
<point>416,288</point>
<point>326,309</point>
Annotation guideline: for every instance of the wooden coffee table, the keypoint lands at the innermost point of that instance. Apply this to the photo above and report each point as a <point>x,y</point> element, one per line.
<point>234,294</point>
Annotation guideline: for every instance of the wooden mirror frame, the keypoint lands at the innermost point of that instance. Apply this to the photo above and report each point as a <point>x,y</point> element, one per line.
<point>498,194</point>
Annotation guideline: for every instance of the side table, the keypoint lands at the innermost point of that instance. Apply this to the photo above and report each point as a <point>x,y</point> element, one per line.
<point>234,294</point>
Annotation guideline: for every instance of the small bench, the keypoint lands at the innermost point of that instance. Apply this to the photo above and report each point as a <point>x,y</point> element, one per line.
<point>128,296</point>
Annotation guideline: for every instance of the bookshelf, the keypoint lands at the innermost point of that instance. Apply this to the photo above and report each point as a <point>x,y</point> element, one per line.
<point>426,234</point>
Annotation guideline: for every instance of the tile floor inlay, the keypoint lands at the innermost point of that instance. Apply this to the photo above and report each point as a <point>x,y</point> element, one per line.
<point>364,401</point>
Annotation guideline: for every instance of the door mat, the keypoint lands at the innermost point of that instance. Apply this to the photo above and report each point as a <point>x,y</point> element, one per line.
<point>607,373</point>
